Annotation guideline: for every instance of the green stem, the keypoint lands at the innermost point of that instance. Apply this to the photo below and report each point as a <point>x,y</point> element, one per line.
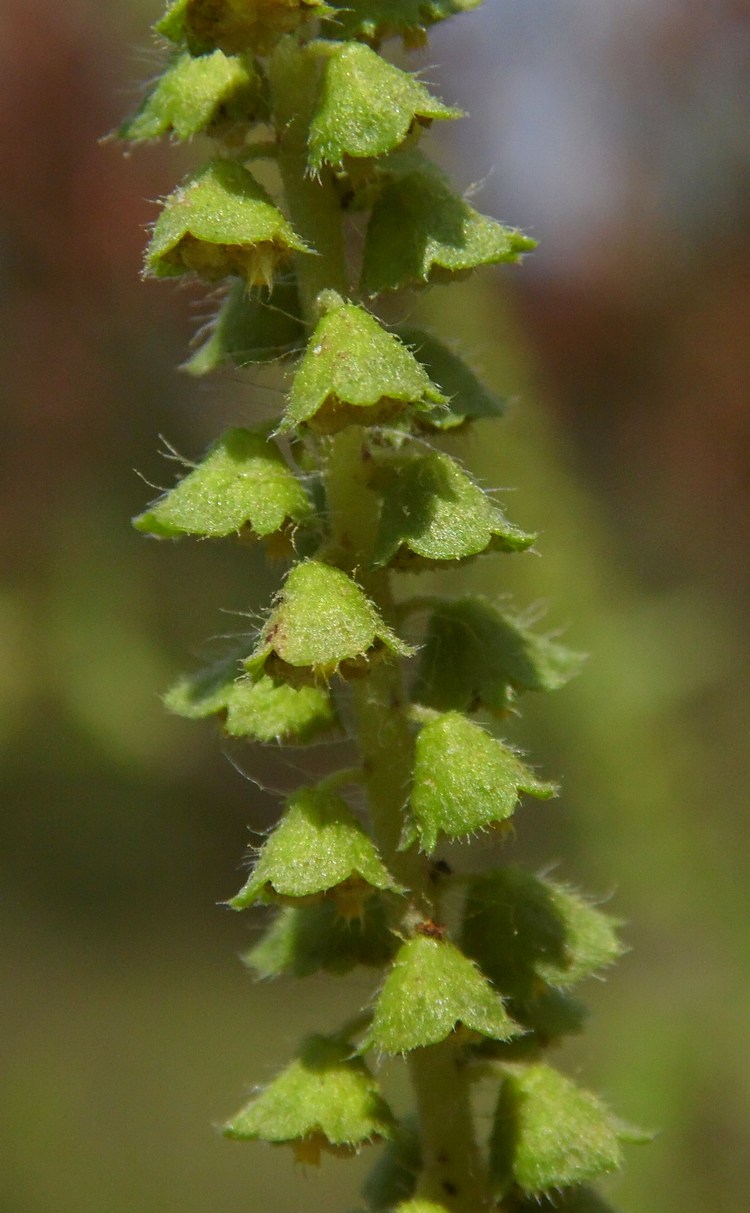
<point>452,1174</point>
<point>452,1169</point>
<point>311,200</point>
<point>380,703</point>
<point>353,507</point>
<point>387,749</point>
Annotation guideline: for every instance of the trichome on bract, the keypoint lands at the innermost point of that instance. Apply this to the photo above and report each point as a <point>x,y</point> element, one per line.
<point>316,134</point>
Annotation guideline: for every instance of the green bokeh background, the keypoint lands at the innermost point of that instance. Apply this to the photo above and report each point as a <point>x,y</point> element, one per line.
<point>128,1025</point>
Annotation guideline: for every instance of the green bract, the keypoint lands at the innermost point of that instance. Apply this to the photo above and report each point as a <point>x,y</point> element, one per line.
<point>359,491</point>
<point>326,1099</point>
<point>243,482</point>
<point>304,939</point>
<point>323,624</point>
<point>250,327</point>
<point>431,989</point>
<point>468,398</point>
<point>219,222</point>
<point>572,1200</point>
<point>421,231</point>
<point>260,708</point>
<point>433,512</point>
<point>318,847</point>
<point>194,93</point>
<point>355,370</point>
<point>550,1134</point>
<point>376,20</point>
<point>235,25</point>
<point>525,929</point>
<point>464,780</point>
<point>366,106</point>
<point>476,656</point>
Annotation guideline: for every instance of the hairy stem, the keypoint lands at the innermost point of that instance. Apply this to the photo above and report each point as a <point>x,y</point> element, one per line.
<point>452,1169</point>
<point>312,202</point>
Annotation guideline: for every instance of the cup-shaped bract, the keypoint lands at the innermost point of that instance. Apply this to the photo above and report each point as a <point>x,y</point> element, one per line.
<point>476,656</point>
<point>262,325</point>
<point>433,513</point>
<point>355,371</point>
<point>259,707</point>
<point>550,1134</point>
<point>376,20</point>
<point>235,25</point>
<point>430,990</point>
<point>525,929</point>
<point>322,624</point>
<point>305,939</point>
<point>365,106</point>
<point>468,398</point>
<point>242,484</point>
<point>464,780</point>
<point>318,847</point>
<point>192,94</point>
<point>535,939</point>
<point>326,1099</point>
<point>421,232</point>
<point>221,221</point>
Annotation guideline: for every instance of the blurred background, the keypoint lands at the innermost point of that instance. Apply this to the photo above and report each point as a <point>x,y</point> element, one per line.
<point>616,132</point>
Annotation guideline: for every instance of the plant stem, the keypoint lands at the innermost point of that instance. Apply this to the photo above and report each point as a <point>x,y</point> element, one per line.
<point>452,1170</point>
<point>383,732</point>
<point>387,749</point>
<point>352,506</point>
<point>312,201</point>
